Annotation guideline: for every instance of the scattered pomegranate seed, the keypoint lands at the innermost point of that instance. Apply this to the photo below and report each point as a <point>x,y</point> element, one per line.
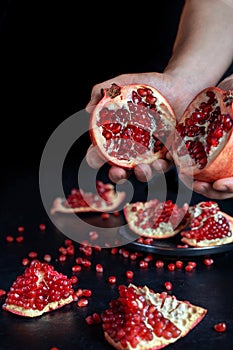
<point>76,268</point>
<point>62,250</point>
<point>129,274</point>
<point>20,229</point>
<point>62,258</point>
<point>82,302</point>
<point>2,292</point>
<point>179,264</point>
<point>192,263</point>
<point>171,266</point>
<point>93,319</point>
<point>42,227</point>
<point>159,264</point>
<point>105,216</point>
<point>87,292</point>
<point>74,279</point>
<point>70,250</point>
<point>97,248</point>
<point>9,238</point>
<point>116,213</point>
<point>19,239</point>
<point>112,279</point>
<point>47,258</point>
<point>93,235</point>
<point>189,268</point>
<point>208,261</point>
<point>220,327</point>
<point>89,320</point>
<point>54,348</point>
<point>79,292</point>
<point>99,268</point>
<point>32,254</point>
<point>68,242</point>
<point>168,285</point>
<point>25,261</point>
<point>143,264</point>
<point>133,256</point>
<point>148,257</point>
<point>114,250</point>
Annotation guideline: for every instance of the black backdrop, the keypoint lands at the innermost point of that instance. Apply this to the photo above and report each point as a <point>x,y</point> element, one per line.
<point>52,53</point>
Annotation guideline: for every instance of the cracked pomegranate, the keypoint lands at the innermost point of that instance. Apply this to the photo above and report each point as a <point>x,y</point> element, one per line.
<point>203,141</point>
<point>156,219</point>
<point>38,290</point>
<point>78,201</point>
<point>208,226</point>
<point>132,124</point>
<point>142,319</point>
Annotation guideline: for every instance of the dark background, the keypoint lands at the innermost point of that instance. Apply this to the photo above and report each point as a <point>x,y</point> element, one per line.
<point>52,53</point>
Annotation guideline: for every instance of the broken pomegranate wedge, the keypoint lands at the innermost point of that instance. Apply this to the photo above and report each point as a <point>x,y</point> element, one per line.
<point>203,140</point>
<point>38,290</point>
<point>141,319</point>
<point>209,226</point>
<point>78,201</point>
<point>132,124</point>
<point>156,219</point>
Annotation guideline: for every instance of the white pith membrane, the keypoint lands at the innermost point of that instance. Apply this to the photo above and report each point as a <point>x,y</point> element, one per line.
<point>208,226</point>
<point>184,156</point>
<point>107,199</point>
<point>149,218</point>
<point>127,151</point>
<point>21,291</point>
<point>182,314</point>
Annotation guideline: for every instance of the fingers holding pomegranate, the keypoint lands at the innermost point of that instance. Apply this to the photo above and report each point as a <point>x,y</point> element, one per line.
<point>220,189</point>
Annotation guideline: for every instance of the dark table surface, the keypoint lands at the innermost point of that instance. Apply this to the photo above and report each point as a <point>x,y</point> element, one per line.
<point>21,205</point>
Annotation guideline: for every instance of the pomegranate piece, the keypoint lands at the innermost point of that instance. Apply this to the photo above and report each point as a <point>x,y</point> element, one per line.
<point>208,226</point>
<point>132,124</point>
<point>142,319</point>
<point>203,140</point>
<point>78,201</point>
<point>156,219</point>
<point>38,290</point>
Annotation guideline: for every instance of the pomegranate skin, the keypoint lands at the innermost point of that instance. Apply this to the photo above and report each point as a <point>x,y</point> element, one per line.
<point>132,124</point>
<point>219,158</point>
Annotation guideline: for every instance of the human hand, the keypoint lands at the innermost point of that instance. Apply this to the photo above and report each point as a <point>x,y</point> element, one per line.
<point>175,92</point>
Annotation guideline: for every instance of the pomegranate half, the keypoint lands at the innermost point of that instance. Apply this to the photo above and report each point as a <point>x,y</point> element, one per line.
<point>132,124</point>
<point>203,141</point>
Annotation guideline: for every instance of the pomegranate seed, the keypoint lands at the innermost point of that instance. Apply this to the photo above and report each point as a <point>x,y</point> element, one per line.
<point>25,261</point>
<point>32,254</point>
<point>73,279</point>
<point>189,268</point>
<point>148,257</point>
<point>2,292</point>
<point>208,261</point>
<point>192,263</point>
<point>54,348</point>
<point>179,264</point>
<point>82,302</point>
<point>171,267</point>
<point>143,264</point>
<point>89,320</point>
<point>129,274</point>
<point>220,327</point>
<point>99,268</point>
<point>76,268</point>
<point>87,292</point>
<point>68,242</point>
<point>116,213</point>
<point>114,251</point>
<point>9,238</point>
<point>105,216</point>
<point>79,292</point>
<point>42,227</point>
<point>19,239</point>
<point>159,264</point>
<point>93,235</point>
<point>168,285</point>
<point>133,256</point>
<point>112,279</point>
<point>20,229</point>
<point>47,257</point>
<point>62,258</point>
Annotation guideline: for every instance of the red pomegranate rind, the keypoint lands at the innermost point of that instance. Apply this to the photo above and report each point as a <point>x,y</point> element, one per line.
<point>132,124</point>
<point>144,320</point>
<point>78,201</point>
<point>208,226</point>
<point>206,133</point>
<point>155,219</point>
<point>38,290</point>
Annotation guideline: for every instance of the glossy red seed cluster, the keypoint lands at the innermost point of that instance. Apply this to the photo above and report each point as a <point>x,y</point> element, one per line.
<point>125,322</point>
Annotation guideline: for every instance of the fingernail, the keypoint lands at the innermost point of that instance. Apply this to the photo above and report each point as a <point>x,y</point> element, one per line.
<point>222,188</point>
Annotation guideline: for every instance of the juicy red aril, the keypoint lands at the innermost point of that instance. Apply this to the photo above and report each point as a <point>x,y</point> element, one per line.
<point>99,268</point>
<point>112,279</point>
<point>220,327</point>
<point>208,261</point>
<point>171,266</point>
<point>82,302</point>
<point>168,285</point>
<point>203,129</point>
<point>129,274</point>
